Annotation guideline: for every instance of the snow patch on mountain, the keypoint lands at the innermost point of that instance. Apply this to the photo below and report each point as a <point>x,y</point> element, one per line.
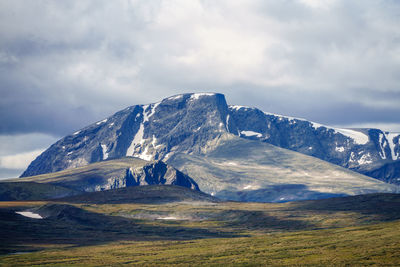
<point>236,107</point>
<point>281,117</point>
<point>358,137</point>
<point>352,157</point>
<point>152,111</point>
<point>137,140</point>
<point>145,155</point>
<point>382,145</point>
<point>251,187</point>
<point>29,214</point>
<point>198,95</point>
<point>365,159</point>
<point>339,149</point>
<point>251,133</point>
<point>175,97</point>
<point>390,137</point>
<point>318,125</point>
<point>167,218</point>
<point>100,122</point>
<point>154,142</point>
<point>104,150</point>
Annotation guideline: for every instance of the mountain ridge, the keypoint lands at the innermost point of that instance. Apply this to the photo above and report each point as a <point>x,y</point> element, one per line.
<point>108,174</point>
<point>361,150</point>
<point>189,123</point>
<point>247,170</point>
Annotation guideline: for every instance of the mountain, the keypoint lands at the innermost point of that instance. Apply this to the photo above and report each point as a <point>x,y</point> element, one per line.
<point>192,123</point>
<point>185,123</point>
<point>104,175</point>
<point>362,150</point>
<point>235,169</point>
<point>390,172</point>
<point>247,170</point>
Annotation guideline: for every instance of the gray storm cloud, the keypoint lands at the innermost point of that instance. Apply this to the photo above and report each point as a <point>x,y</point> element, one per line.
<point>64,64</point>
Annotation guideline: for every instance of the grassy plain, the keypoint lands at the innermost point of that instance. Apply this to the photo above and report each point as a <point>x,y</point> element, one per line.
<point>354,231</point>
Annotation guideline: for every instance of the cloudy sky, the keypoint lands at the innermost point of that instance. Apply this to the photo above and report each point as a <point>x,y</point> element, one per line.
<point>65,64</point>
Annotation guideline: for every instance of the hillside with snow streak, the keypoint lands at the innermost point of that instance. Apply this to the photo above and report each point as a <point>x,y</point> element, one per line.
<point>191,124</point>
<point>358,149</point>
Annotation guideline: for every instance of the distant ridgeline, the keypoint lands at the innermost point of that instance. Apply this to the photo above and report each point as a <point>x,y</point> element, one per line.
<point>185,123</point>
<point>196,124</point>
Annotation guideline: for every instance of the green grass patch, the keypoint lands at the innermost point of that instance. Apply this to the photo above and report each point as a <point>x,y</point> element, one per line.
<point>377,244</point>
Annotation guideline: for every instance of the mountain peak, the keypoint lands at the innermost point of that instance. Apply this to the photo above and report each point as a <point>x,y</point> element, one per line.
<point>195,98</point>
<point>192,123</point>
<point>192,95</point>
<point>180,123</point>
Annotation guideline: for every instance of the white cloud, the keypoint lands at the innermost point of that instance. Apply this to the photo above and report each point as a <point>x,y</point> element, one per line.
<point>17,151</point>
<point>65,64</point>
<point>19,161</point>
<point>318,3</point>
<point>16,144</point>
<point>71,63</point>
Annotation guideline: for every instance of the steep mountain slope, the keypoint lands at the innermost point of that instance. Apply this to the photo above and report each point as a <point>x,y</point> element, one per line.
<point>246,170</point>
<point>362,150</point>
<point>390,172</point>
<point>184,123</point>
<point>112,174</point>
<point>191,124</point>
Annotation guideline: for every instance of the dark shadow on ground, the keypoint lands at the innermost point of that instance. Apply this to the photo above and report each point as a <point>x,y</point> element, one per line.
<point>275,193</point>
<point>385,206</point>
<point>259,220</point>
<point>149,194</point>
<point>10,191</point>
<point>66,224</point>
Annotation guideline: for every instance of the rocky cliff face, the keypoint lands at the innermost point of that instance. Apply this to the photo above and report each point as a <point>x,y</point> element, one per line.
<point>112,174</point>
<point>154,173</point>
<point>191,124</point>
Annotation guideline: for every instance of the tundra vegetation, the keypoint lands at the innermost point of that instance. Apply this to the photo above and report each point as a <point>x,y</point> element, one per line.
<point>191,229</point>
